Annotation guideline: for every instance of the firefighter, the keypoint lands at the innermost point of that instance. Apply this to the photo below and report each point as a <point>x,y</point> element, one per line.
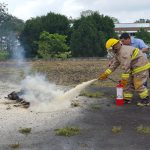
<point>126,39</point>
<point>135,66</point>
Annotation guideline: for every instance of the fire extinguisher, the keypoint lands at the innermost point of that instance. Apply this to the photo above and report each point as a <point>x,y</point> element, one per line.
<point>119,98</point>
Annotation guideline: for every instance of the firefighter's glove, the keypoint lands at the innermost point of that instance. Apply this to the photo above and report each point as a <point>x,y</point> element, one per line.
<point>103,76</point>
<point>124,82</point>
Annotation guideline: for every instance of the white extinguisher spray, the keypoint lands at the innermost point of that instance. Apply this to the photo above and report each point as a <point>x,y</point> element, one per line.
<point>119,98</point>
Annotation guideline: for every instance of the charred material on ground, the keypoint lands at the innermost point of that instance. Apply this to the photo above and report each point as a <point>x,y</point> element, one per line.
<point>16,97</point>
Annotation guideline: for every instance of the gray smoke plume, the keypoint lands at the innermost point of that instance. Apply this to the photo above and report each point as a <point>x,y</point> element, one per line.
<point>18,54</point>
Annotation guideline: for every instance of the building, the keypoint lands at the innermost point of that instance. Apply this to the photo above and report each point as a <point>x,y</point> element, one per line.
<point>130,28</point>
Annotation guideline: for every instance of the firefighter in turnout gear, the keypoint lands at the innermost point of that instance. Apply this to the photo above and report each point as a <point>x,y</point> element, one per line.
<point>135,66</point>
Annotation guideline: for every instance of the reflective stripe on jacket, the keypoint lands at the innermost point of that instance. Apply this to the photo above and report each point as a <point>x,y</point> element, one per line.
<point>131,60</point>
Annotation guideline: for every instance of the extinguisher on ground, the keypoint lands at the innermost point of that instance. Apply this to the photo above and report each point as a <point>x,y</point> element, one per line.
<point>119,98</point>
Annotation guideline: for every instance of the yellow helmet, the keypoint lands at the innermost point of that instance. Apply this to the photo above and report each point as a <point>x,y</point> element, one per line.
<point>111,42</point>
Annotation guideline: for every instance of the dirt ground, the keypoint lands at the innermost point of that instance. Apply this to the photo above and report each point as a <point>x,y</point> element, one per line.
<point>96,117</point>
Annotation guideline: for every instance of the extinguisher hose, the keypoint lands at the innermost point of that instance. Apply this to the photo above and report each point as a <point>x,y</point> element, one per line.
<point>112,80</point>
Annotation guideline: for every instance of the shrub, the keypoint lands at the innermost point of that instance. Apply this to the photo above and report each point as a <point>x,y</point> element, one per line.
<point>3,54</point>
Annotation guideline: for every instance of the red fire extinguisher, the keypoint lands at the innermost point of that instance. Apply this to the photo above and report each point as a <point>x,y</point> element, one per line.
<point>119,98</point>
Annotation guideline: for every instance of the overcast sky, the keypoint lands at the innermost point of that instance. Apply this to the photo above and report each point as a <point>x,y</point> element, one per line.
<point>124,10</point>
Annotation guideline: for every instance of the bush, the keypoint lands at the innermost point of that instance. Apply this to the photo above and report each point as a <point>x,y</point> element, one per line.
<point>64,55</point>
<point>3,54</point>
<point>53,46</point>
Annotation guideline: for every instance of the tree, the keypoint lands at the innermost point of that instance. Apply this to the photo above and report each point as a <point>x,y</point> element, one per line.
<point>85,40</point>
<point>143,21</point>
<point>9,26</point>
<point>115,20</point>
<point>144,35</point>
<point>87,13</point>
<point>52,46</point>
<point>3,12</point>
<point>90,34</point>
<point>52,23</point>
<point>12,24</point>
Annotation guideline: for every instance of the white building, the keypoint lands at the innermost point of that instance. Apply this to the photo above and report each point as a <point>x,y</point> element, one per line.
<point>131,28</point>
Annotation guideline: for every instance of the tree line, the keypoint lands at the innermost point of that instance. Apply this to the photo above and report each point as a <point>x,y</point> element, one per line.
<point>54,35</point>
<point>84,37</point>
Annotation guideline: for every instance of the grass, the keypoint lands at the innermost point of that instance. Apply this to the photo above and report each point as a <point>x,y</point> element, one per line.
<point>67,131</point>
<point>143,129</point>
<point>95,107</point>
<point>92,94</point>
<point>82,145</point>
<point>116,129</point>
<point>73,72</point>
<point>68,72</point>
<point>75,104</point>
<point>106,83</point>
<point>15,146</point>
<point>25,130</point>
<point>112,96</point>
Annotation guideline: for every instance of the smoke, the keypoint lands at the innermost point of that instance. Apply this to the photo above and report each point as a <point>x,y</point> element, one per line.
<point>18,54</point>
<point>44,96</point>
<point>37,89</point>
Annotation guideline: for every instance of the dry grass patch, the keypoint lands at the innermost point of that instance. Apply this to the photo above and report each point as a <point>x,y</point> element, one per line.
<point>75,103</point>
<point>67,131</point>
<point>15,146</point>
<point>25,130</point>
<point>143,129</point>
<point>116,129</point>
<point>95,107</point>
<point>92,94</point>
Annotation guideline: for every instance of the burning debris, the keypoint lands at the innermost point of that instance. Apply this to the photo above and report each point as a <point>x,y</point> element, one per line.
<point>43,96</point>
<point>15,96</point>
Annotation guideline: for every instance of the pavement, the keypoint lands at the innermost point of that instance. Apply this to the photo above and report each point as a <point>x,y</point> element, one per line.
<point>95,117</point>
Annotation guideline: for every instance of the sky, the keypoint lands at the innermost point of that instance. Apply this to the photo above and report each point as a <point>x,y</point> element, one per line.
<point>126,11</point>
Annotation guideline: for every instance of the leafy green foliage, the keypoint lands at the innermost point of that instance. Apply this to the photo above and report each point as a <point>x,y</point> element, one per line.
<point>3,12</point>
<point>12,24</point>
<point>90,33</point>
<point>53,46</point>
<point>86,36</point>
<point>4,55</point>
<point>144,35</point>
<point>52,23</point>
<point>85,43</point>
<point>141,20</point>
<point>9,26</point>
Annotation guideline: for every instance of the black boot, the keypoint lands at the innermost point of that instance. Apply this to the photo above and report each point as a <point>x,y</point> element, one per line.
<point>126,101</point>
<point>144,102</point>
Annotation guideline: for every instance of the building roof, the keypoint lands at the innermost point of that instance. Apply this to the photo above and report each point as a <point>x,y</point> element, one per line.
<point>131,26</point>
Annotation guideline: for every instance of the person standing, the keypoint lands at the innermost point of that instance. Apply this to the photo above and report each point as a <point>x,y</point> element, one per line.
<point>126,39</point>
<point>135,66</point>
